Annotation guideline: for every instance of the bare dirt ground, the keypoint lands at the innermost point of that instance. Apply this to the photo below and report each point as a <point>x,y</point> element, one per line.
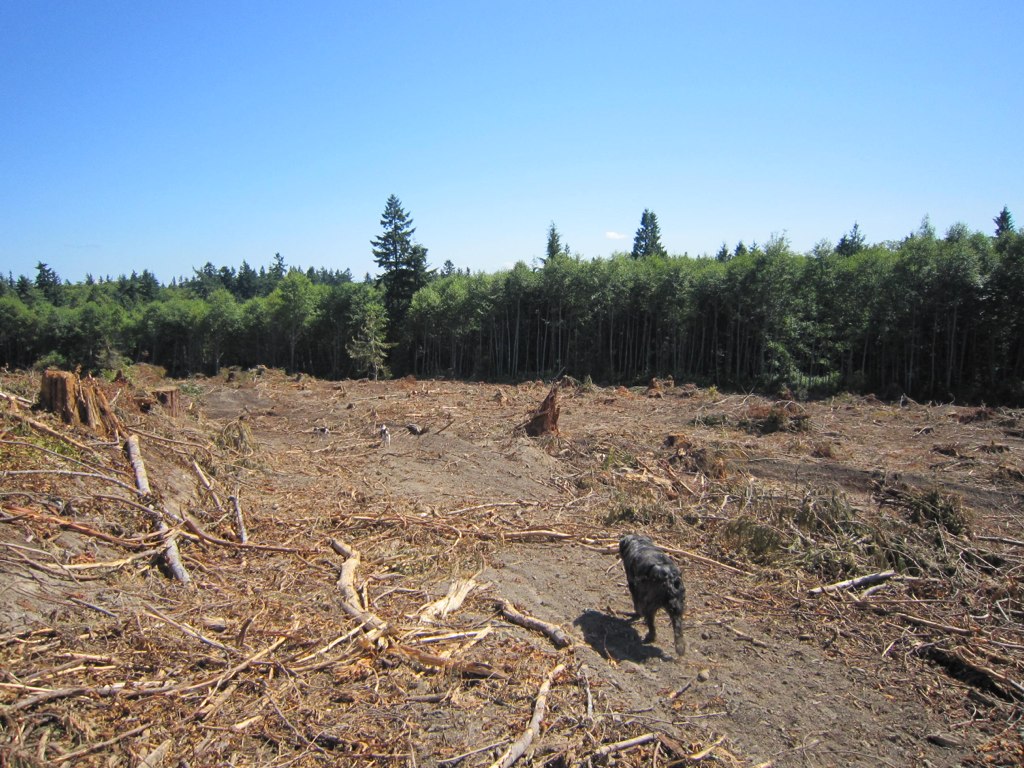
<point>266,659</point>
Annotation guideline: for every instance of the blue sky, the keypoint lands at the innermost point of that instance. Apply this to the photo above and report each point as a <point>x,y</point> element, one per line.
<point>160,136</point>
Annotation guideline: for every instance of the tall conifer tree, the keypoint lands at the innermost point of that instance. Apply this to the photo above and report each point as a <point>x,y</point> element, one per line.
<point>404,263</point>
<point>648,237</point>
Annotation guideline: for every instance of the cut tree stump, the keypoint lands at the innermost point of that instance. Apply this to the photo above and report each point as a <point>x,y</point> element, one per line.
<point>168,399</point>
<point>545,419</point>
<point>59,394</point>
<point>77,401</point>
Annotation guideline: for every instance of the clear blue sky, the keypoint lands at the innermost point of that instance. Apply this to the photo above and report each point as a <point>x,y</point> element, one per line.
<point>162,135</point>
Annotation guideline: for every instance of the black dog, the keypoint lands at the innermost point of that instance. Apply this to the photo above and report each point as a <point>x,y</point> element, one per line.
<point>654,582</point>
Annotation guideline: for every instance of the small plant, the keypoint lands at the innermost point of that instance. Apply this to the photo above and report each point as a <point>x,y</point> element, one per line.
<point>710,420</point>
<point>50,360</point>
<point>615,459</point>
<point>637,512</point>
<point>934,507</point>
<point>760,543</point>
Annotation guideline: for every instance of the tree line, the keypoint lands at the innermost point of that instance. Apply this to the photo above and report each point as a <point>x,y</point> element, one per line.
<point>935,317</point>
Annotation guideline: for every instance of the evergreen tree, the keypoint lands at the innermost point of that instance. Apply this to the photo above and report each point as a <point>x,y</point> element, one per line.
<point>554,242</point>
<point>277,268</point>
<point>48,283</point>
<point>648,237</point>
<point>368,348</point>
<point>852,243</point>
<point>246,282</point>
<point>1003,222</point>
<point>404,263</point>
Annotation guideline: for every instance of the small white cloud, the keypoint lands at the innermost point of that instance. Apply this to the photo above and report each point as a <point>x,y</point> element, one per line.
<point>614,236</point>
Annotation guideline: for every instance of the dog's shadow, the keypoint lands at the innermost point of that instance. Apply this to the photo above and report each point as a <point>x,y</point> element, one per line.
<point>615,638</point>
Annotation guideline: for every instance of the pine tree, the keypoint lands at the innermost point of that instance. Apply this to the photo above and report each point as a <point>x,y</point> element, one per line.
<point>404,263</point>
<point>851,243</point>
<point>48,282</point>
<point>648,237</point>
<point>1003,222</point>
<point>368,349</point>
<point>554,242</point>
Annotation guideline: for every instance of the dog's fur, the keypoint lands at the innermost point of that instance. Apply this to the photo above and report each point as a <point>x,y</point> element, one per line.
<point>654,582</point>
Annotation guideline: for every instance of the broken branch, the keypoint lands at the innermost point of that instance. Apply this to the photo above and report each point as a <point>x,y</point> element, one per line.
<point>860,581</point>
<point>555,633</point>
<point>520,745</point>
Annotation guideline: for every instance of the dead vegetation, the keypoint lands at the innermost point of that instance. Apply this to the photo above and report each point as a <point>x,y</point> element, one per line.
<point>334,610</point>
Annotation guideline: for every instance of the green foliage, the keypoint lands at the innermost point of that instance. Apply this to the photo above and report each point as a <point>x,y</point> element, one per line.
<point>648,237</point>
<point>555,248</point>
<point>293,305</point>
<point>404,262</point>
<point>50,360</point>
<point>48,283</point>
<point>368,348</point>
<point>1003,222</point>
<point>932,317</point>
<point>852,243</point>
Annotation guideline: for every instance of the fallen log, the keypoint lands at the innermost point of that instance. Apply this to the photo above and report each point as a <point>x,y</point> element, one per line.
<point>170,555</point>
<point>350,600</point>
<point>466,668</point>
<point>18,513</point>
<point>619,746</point>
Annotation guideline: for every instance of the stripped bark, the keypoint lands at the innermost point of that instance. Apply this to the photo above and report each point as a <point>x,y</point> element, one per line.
<point>243,535</point>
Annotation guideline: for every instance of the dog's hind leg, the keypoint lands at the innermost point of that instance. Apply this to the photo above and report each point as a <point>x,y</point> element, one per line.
<point>651,634</point>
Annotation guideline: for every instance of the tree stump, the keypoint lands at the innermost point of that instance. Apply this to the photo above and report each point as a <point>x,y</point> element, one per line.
<point>168,398</point>
<point>77,402</point>
<point>59,394</point>
<point>545,419</point>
